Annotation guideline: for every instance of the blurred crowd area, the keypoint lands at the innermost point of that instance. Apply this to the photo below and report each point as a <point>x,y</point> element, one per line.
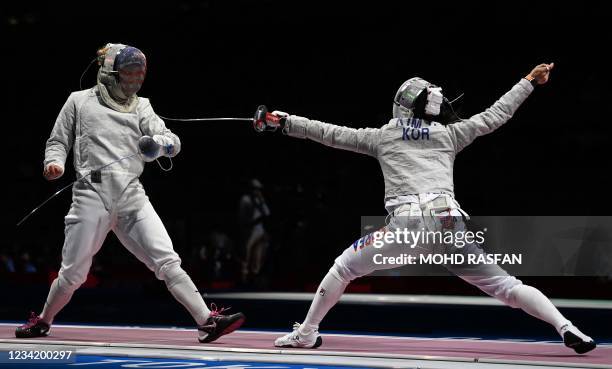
<point>266,237</point>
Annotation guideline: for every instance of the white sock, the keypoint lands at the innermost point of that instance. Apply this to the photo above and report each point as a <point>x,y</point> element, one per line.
<point>327,295</point>
<point>185,292</point>
<point>56,300</point>
<point>533,302</point>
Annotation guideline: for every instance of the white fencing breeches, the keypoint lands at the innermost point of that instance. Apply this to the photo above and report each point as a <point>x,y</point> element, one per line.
<point>359,260</point>
<point>141,232</point>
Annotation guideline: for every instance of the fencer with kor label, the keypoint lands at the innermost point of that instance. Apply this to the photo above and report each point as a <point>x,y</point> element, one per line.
<point>106,124</point>
<point>416,151</point>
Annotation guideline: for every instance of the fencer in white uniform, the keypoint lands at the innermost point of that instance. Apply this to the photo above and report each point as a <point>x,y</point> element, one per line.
<point>416,151</point>
<point>103,124</point>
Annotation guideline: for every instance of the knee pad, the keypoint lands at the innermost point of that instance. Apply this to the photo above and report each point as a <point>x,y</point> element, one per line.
<point>172,274</point>
<point>497,286</point>
<point>343,274</point>
<point>67,283</point>
<point>507,289</point>
<point>168,269</point>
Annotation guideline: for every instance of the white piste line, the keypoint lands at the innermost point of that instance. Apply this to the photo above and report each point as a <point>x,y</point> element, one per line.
<point>80,326</point>
<point>283,351</point>
<point>344,354</point>
<point>359,298</point>
<point>407,338</point>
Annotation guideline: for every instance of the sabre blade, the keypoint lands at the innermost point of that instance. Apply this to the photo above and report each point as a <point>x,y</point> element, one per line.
<point>70,184</point>
<point>205,119</point>
<point>44,202</point>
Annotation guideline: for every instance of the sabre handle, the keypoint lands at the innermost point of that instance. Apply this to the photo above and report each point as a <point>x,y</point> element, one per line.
<point>266,121</point>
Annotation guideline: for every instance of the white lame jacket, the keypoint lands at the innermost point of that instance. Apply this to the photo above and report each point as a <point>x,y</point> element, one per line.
<point>99,135</point>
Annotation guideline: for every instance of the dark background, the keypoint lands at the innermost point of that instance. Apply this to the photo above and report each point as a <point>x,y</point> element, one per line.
<point>338,63</point>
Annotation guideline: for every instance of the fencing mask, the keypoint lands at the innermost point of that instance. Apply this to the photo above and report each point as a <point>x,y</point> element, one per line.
<point>122,72</point>
<point>420,99</point>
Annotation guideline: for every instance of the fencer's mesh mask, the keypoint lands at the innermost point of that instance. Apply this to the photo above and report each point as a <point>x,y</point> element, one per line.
<point>122,72</point>
<point>421,99</point>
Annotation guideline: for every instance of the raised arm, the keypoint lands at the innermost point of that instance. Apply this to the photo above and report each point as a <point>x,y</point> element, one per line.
<point>464,132</point>
<point>157,140</point>
<point>60,141</point>
<point>363,140</point>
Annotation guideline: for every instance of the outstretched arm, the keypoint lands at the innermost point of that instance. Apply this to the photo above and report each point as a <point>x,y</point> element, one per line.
<point>464,132</point>
<point>363,140</point>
